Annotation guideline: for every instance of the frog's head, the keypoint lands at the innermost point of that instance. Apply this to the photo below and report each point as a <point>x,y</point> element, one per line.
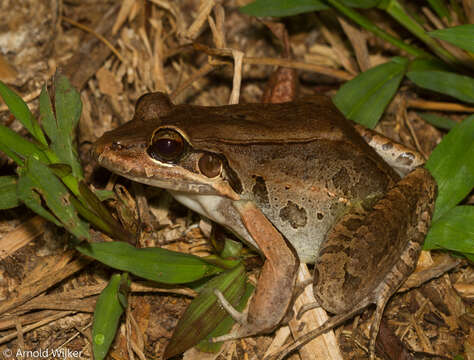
<point>155,149</point>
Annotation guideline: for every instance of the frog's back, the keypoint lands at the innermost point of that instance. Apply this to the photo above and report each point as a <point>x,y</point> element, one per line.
<point>304,120</point>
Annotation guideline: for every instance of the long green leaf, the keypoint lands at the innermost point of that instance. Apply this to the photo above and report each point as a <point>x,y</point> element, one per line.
<point>280,8</point>
<point>18,148</point>
<point>453,231</point>
<point>37,178</point>
<point>438,121</point>
<point>440,9</point>
<point>8,196</point>
<point>205,312</point>
<point>161,265</point>
<point>60,128</point>
<point>452,165</point>
<point>461,36</point>
<point>395,9</point>
<point>22,113</point>
<point>364,98</point>
<point>433,75</point>
<point>108,310</point>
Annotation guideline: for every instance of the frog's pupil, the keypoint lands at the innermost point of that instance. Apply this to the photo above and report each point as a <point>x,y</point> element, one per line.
<point>167,147</point>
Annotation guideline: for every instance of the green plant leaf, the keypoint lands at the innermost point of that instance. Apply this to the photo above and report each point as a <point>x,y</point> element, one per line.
<point>462,36</point>
<point>8,196</point>
<point>453,231</point>
<point>22,113</point>
<point>108,310</point>
<point>37,179</point>
<point>452,165</point>
<point>60,128</point>
<point>17,147</point>
<point>225,325</point>
<point>364,98</point>
<point>440,9</point>
<point>433,75</point>
<point>205,312</point>
<point>438,121</point>
<point>280,8</point>
<point>161,265</point>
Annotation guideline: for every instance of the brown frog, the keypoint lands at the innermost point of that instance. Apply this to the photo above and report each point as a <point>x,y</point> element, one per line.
<point>296,181</point>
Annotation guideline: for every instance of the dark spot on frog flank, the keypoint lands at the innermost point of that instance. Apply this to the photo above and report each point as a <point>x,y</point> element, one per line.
<point>387,146</point>
<point>294,214</point>
<point>260,191</point>
<point>320,216</point>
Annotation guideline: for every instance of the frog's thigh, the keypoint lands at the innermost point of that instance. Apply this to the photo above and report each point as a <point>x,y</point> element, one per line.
<point>367,256</point>
<point>274,291</point>
<point>401,158</point>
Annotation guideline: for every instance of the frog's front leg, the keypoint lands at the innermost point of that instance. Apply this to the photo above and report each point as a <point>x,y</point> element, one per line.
<point>273,295</point>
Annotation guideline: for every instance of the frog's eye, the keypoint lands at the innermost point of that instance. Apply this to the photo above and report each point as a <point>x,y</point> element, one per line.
<point>166,145</point>
<point>210,165</point>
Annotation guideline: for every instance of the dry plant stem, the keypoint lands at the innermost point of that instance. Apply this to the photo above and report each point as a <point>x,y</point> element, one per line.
<point>98,36</point>
<point>195,29</point>
<point>237,78</point>
<point>281,335</point>
<point>358,41</point>
<point>338,74</point>
<point>26,293</point>
<point>342,54</point>
<point>413,132</point>
<point>37,325</point>
<point>21,235</point>
<point>441,106</point>
<point>124,12</point>
<point>202,72</point>
<point>324,347</point>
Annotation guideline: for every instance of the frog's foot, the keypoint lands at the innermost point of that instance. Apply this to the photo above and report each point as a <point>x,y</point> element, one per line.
<point>246,329</point>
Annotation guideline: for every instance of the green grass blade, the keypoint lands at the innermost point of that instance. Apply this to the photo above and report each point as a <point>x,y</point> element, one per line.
<point>280,8</point>
<point>453,231</point>
<point>452,165</point>
<point>396,10</point>
<point>8,196</point>
<point>37,178</point>
<point>438,121</point>
<point>205,312</point>
<point>22,113</point>
<point>60,128</point>
<point>161,265</point>
<point>370,26</point>
<point>18,148</point>
<point>108,310</point>
<point>364,98</point>
<point>440,9</point>
<point>433,75</point>
<point>462,36</point>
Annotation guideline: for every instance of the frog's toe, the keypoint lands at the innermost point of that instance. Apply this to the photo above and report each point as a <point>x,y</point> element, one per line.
<point>240,317</point>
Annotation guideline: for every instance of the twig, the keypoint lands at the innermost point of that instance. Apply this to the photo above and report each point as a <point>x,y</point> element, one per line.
<point>98,36</point>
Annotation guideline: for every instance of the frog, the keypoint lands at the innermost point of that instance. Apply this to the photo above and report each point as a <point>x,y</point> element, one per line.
<point>297,182</point>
